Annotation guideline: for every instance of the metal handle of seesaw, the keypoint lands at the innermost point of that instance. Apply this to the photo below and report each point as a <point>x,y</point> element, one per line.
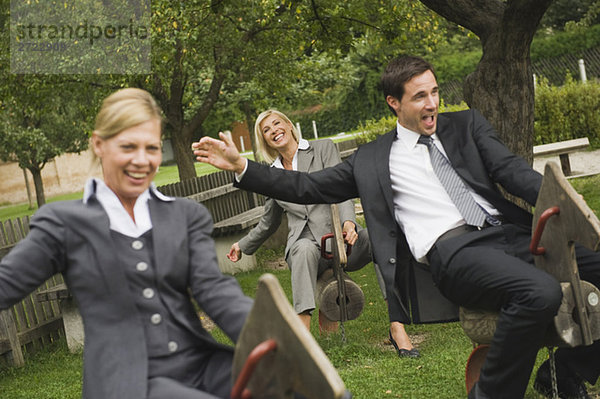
<point>327,255</point>
<point>239,390</point>
<point>534,247</point>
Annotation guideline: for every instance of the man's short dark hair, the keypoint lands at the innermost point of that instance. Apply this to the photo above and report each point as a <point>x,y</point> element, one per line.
<point>399,71</point>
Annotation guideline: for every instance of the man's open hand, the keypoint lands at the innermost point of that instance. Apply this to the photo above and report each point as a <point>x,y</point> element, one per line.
<point>221,154</point>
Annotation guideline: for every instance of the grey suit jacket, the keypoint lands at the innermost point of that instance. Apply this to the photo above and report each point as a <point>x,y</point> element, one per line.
<point>319,155</point>
<point>477,155</point>
<point>73,238</point>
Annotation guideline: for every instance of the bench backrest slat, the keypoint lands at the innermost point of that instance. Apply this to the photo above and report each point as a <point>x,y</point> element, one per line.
<point>216,192</point>
<point>561,147</point>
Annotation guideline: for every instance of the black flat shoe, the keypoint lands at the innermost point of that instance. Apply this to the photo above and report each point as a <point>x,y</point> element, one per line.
<point>569,386</point>
<point>412,353</point>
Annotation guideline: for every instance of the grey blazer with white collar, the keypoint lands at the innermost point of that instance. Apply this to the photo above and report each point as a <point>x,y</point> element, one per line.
<point>73,238</point>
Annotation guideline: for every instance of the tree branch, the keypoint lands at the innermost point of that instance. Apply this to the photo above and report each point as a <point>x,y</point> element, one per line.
<point>479,16</point>
<point>159,90</point>
<point>176,87</point>
<point>211,97</point>
<point>525,15</point>
<point>316,11</point>
<point>361,22</point>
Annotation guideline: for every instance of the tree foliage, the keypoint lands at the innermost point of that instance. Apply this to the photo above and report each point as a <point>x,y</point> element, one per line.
<point>202,48</point>
<point>39,120</point>
<point>244,55</point>
<point>80,37</point>
<point>562,11</point>
<point>338,88</point>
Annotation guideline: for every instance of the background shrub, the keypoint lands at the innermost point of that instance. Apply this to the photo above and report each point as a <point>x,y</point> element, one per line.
<point>572,42</point>
<point>567,112</point>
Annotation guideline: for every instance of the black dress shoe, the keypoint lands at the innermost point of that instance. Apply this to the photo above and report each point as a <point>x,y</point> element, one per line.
<point>570,386</point>
<point>412,353</point>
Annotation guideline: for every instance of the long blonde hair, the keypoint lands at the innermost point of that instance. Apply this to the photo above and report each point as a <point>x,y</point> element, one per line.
<point>267,153</point>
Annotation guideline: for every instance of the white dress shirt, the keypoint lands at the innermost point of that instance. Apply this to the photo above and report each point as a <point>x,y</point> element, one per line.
<point>302,145</point>
<point>422,207</point>
<point>120,221</point>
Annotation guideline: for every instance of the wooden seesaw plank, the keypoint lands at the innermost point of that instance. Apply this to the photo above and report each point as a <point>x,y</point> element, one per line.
<point>298,364</point>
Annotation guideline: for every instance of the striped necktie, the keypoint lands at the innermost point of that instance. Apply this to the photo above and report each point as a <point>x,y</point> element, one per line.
<point>453,184</point>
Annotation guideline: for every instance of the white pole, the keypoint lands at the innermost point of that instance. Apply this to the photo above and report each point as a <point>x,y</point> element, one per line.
<point>582,71</point>
<point>299,130</point>
<point>228,134</point>
<point>315,129</point>
<point>242,144</point>
<point>534,82</point>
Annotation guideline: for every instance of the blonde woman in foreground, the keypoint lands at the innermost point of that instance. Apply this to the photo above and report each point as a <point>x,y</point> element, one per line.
<point>131,257</point>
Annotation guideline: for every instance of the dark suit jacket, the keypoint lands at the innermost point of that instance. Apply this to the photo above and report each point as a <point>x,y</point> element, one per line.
<point>73,238</point>
<point>477,155</point>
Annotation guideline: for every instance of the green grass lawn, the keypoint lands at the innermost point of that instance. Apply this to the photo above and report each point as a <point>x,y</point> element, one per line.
<point>53,373</point>
<point>589,187</point>
<point>368,365</point>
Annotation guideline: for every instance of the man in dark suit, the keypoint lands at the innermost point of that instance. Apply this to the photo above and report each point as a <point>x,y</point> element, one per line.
<point>476,253</point>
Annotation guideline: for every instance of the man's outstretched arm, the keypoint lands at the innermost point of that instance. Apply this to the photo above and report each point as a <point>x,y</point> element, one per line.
<point>330,185</point>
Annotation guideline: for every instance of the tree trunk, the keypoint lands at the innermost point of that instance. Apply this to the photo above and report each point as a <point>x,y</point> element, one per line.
<point>39,186</point>
<point>502,85</point>
<point>511,113</point>
<point>181,137</point>
<point>29,199</point>
<point>182,151</point>
<point>184,132</point>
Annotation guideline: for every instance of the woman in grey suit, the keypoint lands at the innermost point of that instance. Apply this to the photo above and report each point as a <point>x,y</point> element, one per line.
<point>132,258</point>
<point>279,144</point>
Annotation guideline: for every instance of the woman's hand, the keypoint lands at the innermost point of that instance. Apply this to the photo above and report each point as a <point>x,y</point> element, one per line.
<point>350,229</point>
<point>235,253</point>
<point>221,154</point>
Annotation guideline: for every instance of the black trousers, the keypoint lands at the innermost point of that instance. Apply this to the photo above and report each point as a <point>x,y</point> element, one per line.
<point>493,269</point>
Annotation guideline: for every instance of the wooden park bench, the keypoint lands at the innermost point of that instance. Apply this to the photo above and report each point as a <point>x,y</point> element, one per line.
<point>234,213</point>
<point>346,147</point>
<point>71,317</point>
<point>30,324</point>
<point>561,218</point>
<point>562,149</point>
